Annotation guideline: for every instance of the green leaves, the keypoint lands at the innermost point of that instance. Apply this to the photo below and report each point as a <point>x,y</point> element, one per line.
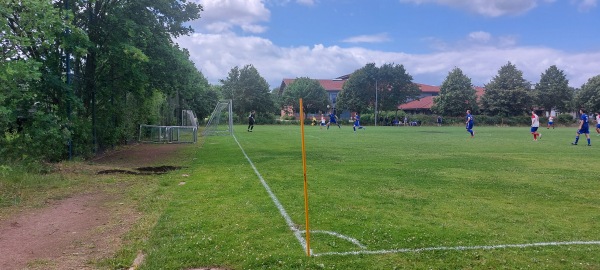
<point>314,96</point>
<point>456,95</point>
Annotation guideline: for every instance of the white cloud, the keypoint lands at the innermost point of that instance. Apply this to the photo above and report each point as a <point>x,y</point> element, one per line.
<point>216,54</point>
<point>585,5</point>
<point>307,2</point>
<point>492,8</point>
<point>222,16</point>
<point>480,37</point>
<point>377,38</point>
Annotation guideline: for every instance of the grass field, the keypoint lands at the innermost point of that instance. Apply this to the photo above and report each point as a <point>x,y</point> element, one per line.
<point>409,197</point>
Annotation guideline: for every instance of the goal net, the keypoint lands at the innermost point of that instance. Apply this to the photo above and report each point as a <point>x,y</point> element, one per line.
<point>186,133</point>
<point>220,121</point>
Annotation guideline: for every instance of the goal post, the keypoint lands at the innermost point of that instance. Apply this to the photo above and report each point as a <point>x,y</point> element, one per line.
<point>187,132</point>
<point>220,121</point>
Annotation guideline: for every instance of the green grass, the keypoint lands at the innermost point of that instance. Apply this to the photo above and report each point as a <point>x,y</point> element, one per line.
<point>389,188</point>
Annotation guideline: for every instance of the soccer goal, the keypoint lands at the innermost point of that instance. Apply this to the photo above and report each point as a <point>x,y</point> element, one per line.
<point>220,121</point>
<point>186,133</point>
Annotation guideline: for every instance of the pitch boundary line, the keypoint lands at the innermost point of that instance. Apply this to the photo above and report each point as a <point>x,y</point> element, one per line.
<point>288,220</point>
<point>458,248</point>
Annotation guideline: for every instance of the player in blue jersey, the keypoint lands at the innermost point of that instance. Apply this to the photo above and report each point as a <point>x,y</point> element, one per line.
<point>584,128</point>
<point>333,120</point>
<point>357,122</point>
<point>470,123</point>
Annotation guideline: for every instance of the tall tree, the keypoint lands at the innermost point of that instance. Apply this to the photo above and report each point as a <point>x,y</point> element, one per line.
<point>508,94</point>
<point>553,91</point>
<point>248,90</point>
<point>314,96</point>
<point>456,95</point>
<point>386,87</point>
<point>588,97</point>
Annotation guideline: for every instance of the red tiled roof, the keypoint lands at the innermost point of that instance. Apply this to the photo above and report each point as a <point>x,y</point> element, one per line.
<point>428,88</point>
<point>423,103</point>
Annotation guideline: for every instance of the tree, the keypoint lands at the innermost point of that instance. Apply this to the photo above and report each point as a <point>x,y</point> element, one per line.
<point>386,87</point>
<point>588,97</point>
<point>248,90</point>
<point>508,93</point>
<point>314,96</point>
<point>456,95</point>
<point>553,91</point>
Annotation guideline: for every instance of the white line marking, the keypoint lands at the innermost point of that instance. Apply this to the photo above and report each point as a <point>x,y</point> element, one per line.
<point>458,248</point>
<point>288,219</point>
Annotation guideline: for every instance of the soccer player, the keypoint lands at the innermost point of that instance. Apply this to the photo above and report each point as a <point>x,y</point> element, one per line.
<point>469,123</point>
<point>584,128</point>
<point>598,123</point>
<point>535,124</point>
<point>357,122</point>
<point>322,121</point>
<point>333,119</point>
<point>251,121</point>
<point>550,122</point>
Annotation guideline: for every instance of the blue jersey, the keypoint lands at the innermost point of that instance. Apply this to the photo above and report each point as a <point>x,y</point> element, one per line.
<point>585,121</point>
<point>357,120</point>
<point>469,121</point>
<point>332,118</point>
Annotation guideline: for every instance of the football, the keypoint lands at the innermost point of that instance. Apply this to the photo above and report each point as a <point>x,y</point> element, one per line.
<point>328,106</point>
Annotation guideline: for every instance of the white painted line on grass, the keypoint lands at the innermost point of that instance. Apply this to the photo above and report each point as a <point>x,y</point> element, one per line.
<point>458,248</point>
<point>285,215</point>
<point>288,219</point>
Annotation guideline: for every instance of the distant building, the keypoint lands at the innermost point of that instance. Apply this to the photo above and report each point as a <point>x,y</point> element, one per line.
<point>421,105</point>
<point>424,103</point>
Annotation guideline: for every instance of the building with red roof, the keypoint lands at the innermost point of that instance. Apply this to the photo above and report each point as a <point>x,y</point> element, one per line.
<point>422,104</point>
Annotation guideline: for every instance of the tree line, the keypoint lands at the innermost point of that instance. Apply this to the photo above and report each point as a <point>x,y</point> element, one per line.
<point>80,76</point>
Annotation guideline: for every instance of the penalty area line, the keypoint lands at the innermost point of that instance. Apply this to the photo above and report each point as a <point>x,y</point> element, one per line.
<point>459,248</point>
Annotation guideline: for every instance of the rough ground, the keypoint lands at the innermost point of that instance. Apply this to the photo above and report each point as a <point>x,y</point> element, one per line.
<point>74,232</point>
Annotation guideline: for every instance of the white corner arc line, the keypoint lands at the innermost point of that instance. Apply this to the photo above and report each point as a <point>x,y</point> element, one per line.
<point>459,248</point>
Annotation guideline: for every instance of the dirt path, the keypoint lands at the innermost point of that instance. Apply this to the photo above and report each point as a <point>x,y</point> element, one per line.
<point>74,232</point>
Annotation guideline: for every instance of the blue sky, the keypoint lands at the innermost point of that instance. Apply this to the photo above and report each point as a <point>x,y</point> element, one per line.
<point>324,39</point>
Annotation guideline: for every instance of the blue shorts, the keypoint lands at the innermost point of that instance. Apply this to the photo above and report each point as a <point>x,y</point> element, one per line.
<point>356,123</point>
<point>534,129</point>
<point>550,123</point>
<point>469,126</point>
<point>598,126</point>
<point>584,130</point>
<point>332,121</point>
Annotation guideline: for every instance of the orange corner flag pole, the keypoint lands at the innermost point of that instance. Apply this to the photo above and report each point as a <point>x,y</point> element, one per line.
<point>305,181</point>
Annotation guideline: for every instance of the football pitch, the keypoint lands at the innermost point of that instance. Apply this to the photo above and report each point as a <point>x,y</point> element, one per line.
<point>386,198</point>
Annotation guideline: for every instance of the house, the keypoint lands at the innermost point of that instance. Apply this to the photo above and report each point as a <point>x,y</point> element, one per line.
<point>332,86</point>
<point>424,103</point>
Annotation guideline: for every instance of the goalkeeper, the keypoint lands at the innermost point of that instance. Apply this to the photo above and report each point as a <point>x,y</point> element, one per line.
<point>251,121</point>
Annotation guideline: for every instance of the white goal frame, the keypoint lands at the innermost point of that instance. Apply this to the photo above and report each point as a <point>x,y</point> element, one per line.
<point>220,121</point>
<point>186,133</point>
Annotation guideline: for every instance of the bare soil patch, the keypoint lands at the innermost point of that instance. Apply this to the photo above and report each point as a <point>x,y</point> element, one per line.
<point>75,232</point>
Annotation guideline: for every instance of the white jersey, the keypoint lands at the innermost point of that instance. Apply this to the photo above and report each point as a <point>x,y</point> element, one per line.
<point>535,120</point>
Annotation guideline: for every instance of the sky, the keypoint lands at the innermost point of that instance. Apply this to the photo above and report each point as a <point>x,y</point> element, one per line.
<point>325,39</point>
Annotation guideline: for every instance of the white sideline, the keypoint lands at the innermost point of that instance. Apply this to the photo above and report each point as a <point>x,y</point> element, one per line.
<point>302,241</point>
<point>459,248</point>
<point>288,219</point>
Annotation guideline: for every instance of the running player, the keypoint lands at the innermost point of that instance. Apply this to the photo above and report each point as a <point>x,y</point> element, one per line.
<point>469,123</point>
<point>357,122</point>
<point>333,119</point>
<point>535,124</point>
<point>584,128</point>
